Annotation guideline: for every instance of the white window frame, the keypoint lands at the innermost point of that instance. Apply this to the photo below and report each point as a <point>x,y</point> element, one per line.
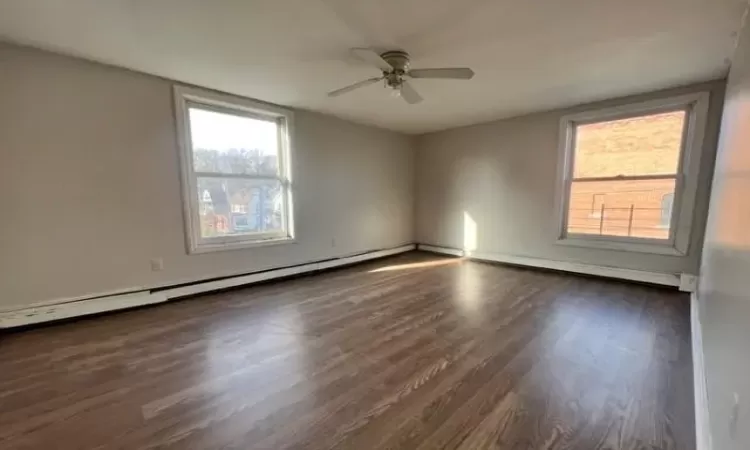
<point>184,98</point>
<point>686,179</point>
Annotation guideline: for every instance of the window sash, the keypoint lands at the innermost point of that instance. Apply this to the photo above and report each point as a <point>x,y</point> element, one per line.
<point>283,233</point>
<point>239,111</point>
<point>234,110</point>
<point>608,237</point>
<point>668,107</point>
<point>687,184</point>
<point>185,98</point>
<point>570,151</point>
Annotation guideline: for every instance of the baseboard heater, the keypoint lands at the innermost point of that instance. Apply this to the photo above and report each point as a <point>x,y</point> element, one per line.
<point>105,303</point>
<point>685,282</point>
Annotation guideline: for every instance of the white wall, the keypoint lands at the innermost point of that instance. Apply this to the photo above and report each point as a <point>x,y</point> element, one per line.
<point>499,179</point>
<point>90,185</point>
<point>725,282</point>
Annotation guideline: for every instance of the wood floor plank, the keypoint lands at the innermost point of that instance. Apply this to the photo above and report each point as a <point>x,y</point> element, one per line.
<point>415,351</point>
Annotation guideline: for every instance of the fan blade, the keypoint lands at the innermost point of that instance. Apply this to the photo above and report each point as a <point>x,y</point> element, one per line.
<point>354,86</point>
<point>373,58</point>
<point>456,73</point>
<point>409,94</point>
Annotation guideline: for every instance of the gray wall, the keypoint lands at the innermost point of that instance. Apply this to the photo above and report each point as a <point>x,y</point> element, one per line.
<point>90,185</point>
<point>724,295</point>
<point>502,175</point>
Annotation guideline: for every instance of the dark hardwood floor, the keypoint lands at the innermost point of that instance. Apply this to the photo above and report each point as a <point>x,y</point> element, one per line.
<point>411,352</point>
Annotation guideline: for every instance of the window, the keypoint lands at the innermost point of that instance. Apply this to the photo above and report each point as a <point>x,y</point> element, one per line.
<point>629,175</point>
<point>235,164</point>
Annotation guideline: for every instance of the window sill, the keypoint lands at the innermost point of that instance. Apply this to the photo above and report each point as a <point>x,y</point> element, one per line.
<point>226,246</point>
<point>625,246</point>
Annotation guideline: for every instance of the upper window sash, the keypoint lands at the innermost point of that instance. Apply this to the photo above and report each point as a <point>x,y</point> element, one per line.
<point>239,111</point>
<point>621,113</point>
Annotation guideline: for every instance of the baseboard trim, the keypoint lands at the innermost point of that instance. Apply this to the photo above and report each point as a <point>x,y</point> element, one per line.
<point>666,279</point>
<point>702,425</point>
<point>443,250</point>
<point>95,305</point>
<point>225,283</point>
<point>50,313</point>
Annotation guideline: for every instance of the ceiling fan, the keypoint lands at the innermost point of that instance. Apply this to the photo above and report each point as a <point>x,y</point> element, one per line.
<point>396,73</point>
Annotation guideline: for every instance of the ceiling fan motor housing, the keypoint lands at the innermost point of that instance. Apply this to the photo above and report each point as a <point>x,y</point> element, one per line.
<point>400,62</point>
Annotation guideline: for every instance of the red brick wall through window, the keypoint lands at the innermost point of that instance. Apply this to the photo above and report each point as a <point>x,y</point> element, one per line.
<point>642,146</point>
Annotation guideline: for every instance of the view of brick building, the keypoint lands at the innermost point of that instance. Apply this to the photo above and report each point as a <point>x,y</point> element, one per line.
<point>603,199</point>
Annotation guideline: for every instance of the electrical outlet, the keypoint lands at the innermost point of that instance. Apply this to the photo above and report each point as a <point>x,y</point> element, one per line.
<point>157,264</point>
<point>333,242</point>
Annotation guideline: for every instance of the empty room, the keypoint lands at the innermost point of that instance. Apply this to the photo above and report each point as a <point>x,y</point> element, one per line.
<point>361,224</point>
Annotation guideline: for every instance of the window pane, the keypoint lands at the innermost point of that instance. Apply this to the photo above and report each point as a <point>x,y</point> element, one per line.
<point>227,143</point>
<point>231,206</point>
<point>645,145</point>
<point>605,207</point>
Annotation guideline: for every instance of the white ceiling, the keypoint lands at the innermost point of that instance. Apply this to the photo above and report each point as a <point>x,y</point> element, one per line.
<point>528,55</point>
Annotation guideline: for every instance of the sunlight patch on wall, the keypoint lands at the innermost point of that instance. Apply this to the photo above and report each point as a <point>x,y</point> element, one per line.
<point>470,234</point>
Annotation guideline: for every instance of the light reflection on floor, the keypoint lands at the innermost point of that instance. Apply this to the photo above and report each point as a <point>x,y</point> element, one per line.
<point>257,369</point>
<point>468,295</point>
